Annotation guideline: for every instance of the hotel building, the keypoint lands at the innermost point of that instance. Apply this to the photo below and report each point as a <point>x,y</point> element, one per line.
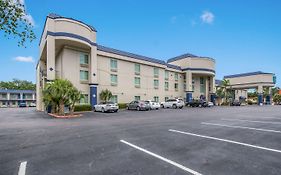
<point>68,50</point>
<point>12,98</point>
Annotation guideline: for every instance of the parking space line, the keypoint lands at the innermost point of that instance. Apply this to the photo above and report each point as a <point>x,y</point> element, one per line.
<point>225,140</point>
<point>162,158</point>
<point>242,127</point>
<point>253,121</point>
<point>22,168</point>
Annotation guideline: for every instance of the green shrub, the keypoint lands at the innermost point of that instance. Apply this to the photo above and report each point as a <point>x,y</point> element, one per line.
<point>85,107</point>
<point>122,105</point>
<point>277,98</point>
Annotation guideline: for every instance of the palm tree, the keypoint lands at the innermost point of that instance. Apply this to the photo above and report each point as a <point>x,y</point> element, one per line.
<point>105,95</point>
<point>74,97</point>
<point>60,93</point>
<point>226,93</point>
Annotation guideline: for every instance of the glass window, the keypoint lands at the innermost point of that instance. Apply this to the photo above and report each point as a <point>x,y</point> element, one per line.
<point>137,69</point>
<point>176,76</point>
<point>84,58</point>
<point>166,85</point>
<point>166,98</point>
<point>156,71</point>
<point>4,96</point>
<point>114,99</point>
<point>166,75</point>
<point>202,85</point>
<point>113,79</point>
<point>193,83</point>
<point>84,99</point>
<point>184,86</point>
<point>176,86</point>
<point>113,64</point>
<point>156,98</point>
<point>84,75</point>
<point>137,98</point>
<point>137,81</point>
<point>156,83</point>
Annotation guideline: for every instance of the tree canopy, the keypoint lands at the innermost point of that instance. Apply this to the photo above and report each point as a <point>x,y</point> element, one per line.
<point>17,84</point>
<point>15,22</point>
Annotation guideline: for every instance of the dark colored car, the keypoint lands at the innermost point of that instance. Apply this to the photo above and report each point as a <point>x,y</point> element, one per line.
<point>22,105</point>
<point>235,103</point>
<point>197,103</point>
<point>139,106</point>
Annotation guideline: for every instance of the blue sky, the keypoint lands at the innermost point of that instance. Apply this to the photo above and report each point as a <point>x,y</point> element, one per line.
<point>243,36</point>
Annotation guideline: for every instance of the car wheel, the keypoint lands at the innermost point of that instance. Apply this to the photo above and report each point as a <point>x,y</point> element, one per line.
<point>102,110</point>
<point>174,106</point>
<point>128,108</point>
<point>138,108</point>
<point>162,106</point>
<point>181,107</point>
<point>94,109</point>
<point>116,110</point>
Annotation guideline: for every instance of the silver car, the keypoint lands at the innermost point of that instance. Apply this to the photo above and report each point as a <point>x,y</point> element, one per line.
<point>106,107</point>
<point>173,103</point>
<point>139,106</point>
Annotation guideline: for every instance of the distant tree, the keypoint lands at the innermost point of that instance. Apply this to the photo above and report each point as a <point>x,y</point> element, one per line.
<point>17,84</point>
<point>277,98</point>
<point>14,21</point>
<point>275,90</point>
<point>105,95</point>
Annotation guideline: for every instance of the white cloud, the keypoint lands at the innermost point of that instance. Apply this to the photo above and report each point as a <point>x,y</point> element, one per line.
<point>207,17</point>
<point>29,19</point>
<point>28,59</point>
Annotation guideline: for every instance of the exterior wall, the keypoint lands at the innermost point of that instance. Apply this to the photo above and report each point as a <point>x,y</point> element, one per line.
<point>251,81</point>
<point>126,90</point>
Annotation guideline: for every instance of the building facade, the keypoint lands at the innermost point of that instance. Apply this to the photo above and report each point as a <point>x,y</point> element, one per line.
<point>68,50</point>
<point>12,98</point>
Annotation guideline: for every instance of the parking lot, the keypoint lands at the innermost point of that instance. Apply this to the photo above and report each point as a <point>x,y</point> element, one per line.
<point>218,140</point>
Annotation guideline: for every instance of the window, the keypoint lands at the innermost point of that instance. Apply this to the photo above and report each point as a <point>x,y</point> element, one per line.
<point>166,98</point>
<point>176,86</point>
<point>166,86</point>
<point>166,75</point>
<point>202,85</point>
<point>113,65</point>
<point>84,99</point>
<point>137,69</point>
<point>156,98</point>
<point>156,72</point>
<point>84,75</point>
<point>137,98</point>
<point>4,96</point>
<point>13,103</point>
<point>156,84</point>
<point>193,83</point>
<point>113,79</point>
<point>274,79</point>
<point>176,76</point>
<point>84,59</point>
<point>137,82</point>
<point>184,86</point>
<point>114,99</point>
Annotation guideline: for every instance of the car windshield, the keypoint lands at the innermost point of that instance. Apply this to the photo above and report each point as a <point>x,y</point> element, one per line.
<point>110,103</point>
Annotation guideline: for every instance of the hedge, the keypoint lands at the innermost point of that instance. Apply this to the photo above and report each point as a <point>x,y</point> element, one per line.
<point>85,107</point>
<point>122,105</point>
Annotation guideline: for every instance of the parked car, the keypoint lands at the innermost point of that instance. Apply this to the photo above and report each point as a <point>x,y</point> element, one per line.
<point>198,103</point>
<point>139,106</point>
<point>22,105</point>
<point>32,105</point>
<point>153,104</point>
<point>106,107</point>
<point>235,103</point>
<point>173,103</point>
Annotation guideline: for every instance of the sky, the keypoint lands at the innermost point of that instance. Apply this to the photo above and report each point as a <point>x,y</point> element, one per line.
<point>242,36</point>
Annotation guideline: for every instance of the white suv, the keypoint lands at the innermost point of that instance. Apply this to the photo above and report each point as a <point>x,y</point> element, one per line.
<point>173,103</point>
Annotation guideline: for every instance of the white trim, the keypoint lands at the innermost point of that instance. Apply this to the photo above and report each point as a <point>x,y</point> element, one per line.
<point>162,158</point>
<point>22,168</point>
<point>224,140</point>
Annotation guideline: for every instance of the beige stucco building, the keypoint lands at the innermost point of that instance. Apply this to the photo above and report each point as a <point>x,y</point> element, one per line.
<point>68,50</point>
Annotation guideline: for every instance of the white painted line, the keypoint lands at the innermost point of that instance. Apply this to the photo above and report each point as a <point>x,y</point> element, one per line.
<point>242,127</point>
<point>271,118</point>
<point>22,168</point>
<point>224,140</point>
<point>253,121</point>
<point>162,158</point>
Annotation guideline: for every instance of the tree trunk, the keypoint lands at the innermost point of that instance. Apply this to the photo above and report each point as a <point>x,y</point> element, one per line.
<point>61,108</point>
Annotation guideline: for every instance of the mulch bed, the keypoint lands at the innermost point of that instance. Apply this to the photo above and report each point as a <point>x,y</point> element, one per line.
<point>76,115</point>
